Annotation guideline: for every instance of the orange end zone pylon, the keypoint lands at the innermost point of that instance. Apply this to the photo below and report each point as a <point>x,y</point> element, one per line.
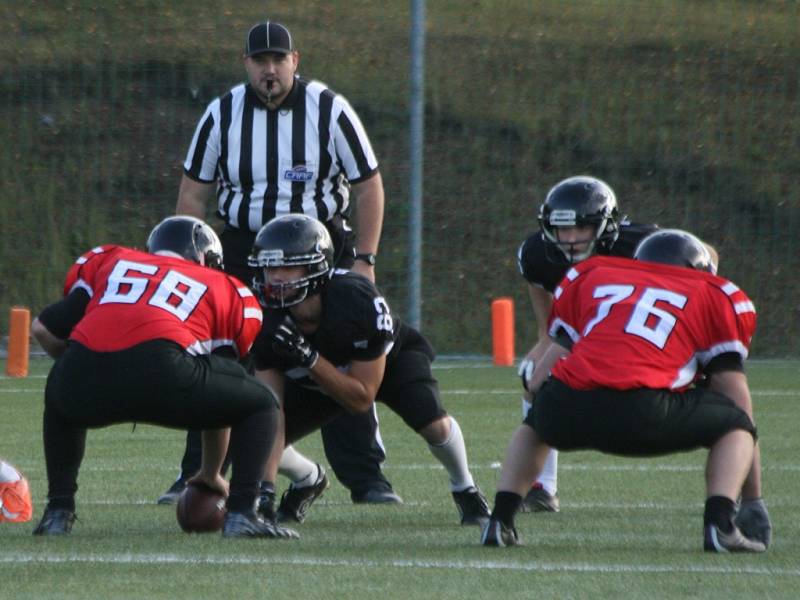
<point>503,332</point>
<point>19,330</point>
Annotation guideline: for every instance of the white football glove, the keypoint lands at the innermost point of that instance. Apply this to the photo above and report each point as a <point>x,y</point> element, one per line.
<point>525,371</point>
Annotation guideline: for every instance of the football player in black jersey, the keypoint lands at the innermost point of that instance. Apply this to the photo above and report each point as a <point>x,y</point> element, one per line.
<point>329,344</point>
<point>578,218</point>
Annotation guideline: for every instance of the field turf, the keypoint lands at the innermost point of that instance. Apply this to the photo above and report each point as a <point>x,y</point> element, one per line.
<point>628,528</point>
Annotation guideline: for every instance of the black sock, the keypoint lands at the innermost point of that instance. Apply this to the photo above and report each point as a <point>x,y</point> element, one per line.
<point>506,505</point>
<point>251,441</point>
<point>61,502</point>
<point>719,511</point>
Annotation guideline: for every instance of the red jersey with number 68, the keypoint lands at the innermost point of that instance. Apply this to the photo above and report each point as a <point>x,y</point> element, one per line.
<point>637,324</point>
<point>137,297</point>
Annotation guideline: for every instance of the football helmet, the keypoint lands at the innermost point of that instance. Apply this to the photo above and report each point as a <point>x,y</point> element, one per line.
<point>189,238</point>
<point>288,241</point>
<point>577,202</point>
<point>675,247</point>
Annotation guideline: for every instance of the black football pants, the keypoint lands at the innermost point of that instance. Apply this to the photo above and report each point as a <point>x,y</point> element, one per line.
<point>154,382</point>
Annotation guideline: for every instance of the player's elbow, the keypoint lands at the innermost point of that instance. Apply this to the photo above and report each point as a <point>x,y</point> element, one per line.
<point>50,343</point>
<point>360,406</point>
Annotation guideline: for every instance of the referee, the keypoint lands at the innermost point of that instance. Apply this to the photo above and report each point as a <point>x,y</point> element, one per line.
<point>281,144</point>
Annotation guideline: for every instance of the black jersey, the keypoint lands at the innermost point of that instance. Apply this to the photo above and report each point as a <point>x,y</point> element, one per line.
<point>538,269</point>
<point>357,324</point>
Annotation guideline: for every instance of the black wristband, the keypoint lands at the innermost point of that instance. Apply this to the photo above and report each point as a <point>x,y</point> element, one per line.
<point>368,258</point>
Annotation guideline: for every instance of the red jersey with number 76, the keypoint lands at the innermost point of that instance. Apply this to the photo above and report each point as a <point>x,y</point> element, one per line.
<point>137,297</point>
<point>637,324</point>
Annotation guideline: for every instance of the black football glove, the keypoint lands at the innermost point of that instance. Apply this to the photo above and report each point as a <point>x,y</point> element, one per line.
<point>753,520</point>
<point>289,343</point>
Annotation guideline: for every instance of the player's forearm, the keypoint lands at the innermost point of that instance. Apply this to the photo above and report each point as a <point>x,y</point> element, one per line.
<point>215,445</point>
<point>543,367</point>
<point>350,392</point>
<point>50,343</point>
<point>369,208</point>
<point>733,384</point>
<point>193,197</point>
<point>752,484</point>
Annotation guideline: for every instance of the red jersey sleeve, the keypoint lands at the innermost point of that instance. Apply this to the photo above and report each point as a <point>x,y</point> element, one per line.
<point>82,270</point>
<point>239,319</point>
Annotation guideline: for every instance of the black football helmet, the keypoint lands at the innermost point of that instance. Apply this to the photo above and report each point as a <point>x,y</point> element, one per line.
<point>189,238</point>
<point>287,241</point>
<point>675,247</point>
<point>577,202</point>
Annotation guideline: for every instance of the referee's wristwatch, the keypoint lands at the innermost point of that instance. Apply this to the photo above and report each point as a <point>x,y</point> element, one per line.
<point>368,258</point>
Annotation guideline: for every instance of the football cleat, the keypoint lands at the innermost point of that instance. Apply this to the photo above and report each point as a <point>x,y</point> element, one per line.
<point>539,499</point>
<point>171,495</point>
<point>472,506</point>
<point>497,534</point>
<point>55,521</point>
<point>376,495</point>
<point>250,525</point>
<point>296,501</point>
<point>715,540</point>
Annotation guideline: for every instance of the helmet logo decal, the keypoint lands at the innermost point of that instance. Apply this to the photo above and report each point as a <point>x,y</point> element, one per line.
<point>563,218</point>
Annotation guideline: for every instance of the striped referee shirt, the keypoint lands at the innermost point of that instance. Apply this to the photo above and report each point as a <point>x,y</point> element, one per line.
<point>298,158</point>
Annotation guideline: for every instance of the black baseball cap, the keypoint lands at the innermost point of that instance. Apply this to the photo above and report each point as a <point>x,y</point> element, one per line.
<point>268,37</point>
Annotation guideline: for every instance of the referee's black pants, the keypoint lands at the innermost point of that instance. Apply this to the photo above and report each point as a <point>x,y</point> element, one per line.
<point>154,382</point>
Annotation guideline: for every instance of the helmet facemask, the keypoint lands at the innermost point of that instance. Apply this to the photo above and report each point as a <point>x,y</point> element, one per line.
<point>604,234</point>
<point>282,294</point>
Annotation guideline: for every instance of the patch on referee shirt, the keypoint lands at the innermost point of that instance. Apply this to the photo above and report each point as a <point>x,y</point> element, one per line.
<point>298,173</point>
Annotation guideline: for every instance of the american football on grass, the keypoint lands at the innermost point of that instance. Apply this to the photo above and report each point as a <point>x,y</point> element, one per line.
<point>200,509</point>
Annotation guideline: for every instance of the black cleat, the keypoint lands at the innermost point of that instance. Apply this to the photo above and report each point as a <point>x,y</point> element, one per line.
<point>250,525</point>
<point>715,540</point>
<point>55,521</point>
<point>296,501</point>
<point>539,499</point>
<point>376,496</point>
<point>171,495</point>
<point>472,506</point>
<point>497,534</point>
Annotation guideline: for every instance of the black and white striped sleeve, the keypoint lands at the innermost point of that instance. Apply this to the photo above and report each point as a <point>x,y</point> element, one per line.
<point>201,159</point>
<point>352,144</point>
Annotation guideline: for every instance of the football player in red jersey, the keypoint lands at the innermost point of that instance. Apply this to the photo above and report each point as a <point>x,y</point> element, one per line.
<point>669,319</point>
<point>153,337</point>
<point>578,219</point>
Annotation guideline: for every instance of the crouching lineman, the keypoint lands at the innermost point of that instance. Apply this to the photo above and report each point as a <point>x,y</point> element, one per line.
<point>669,319</point>
<point>153,337</point>
<point>330,344</point>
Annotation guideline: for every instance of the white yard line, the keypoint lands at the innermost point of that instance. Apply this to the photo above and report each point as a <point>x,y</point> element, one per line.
<point>470,565</point>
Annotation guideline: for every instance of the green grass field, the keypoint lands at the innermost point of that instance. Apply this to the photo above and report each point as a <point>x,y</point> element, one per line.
<point>628,528</point>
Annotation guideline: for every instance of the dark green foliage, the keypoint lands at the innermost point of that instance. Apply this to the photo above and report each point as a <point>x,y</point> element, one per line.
<point>688,109</point>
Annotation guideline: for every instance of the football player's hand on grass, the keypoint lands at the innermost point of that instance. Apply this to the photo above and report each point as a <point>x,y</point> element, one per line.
<point>753,520</point>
